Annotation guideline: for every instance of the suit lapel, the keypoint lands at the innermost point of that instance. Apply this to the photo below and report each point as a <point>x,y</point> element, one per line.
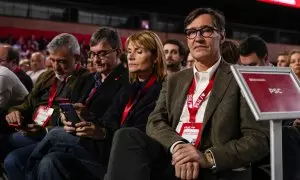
<point>181,91</point>
<point>221,84</point>
<point>48,80</point>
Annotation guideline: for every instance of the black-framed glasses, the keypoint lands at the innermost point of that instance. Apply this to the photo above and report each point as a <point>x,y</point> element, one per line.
<point>206,32</point>
<point>101,53</point>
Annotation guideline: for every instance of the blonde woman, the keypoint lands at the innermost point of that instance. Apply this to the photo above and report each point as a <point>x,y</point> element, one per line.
<point>294,60</point>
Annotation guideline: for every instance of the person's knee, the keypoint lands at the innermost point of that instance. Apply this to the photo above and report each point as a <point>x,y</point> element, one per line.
<point>57,131</point>
<point>47,163</point>
<point>11,161</point>
<point>128,136</point>
<point>125,132</point>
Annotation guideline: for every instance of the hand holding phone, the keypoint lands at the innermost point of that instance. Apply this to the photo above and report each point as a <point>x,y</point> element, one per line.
<point>69,111</point>
<point>14,119</point>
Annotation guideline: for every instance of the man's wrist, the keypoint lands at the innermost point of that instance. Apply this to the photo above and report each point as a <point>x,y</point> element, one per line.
<point>175,144</point>
<point>209,159</point>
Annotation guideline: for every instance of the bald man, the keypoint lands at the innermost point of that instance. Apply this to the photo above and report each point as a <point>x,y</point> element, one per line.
<point>37,63</point>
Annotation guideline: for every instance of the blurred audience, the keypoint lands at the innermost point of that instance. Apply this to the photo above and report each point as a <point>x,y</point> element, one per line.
<point>123,59</point>
<point>253,52</point>
<point>283,59</point>
<point>230,52</point>
<point>37,64</point>
<point>190,61</point>
<point>48,64</point>
<point>90,65</point>
<point>24,64</point>
<point>294,61</point>
<point>10,59</point>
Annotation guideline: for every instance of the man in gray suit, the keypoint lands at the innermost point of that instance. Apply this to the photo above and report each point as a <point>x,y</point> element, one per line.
<point>202,127</point>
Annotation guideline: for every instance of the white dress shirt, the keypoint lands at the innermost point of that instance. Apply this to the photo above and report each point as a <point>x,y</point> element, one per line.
<point>202,80</point>
<point>35,75</point>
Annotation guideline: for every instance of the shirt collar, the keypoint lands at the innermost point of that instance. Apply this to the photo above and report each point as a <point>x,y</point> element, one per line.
<point>211,71</point>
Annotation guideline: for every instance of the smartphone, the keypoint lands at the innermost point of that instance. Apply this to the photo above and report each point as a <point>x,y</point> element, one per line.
<point>70,113</point>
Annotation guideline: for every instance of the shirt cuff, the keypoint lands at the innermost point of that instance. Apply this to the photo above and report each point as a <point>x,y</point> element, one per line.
<point>173,145</point>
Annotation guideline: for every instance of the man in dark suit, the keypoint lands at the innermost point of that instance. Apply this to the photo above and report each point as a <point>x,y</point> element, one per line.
<point>10,59</point>
<point>201,125</point>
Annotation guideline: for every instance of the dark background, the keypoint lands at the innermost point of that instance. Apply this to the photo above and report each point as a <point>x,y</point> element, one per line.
<point>249,12</point>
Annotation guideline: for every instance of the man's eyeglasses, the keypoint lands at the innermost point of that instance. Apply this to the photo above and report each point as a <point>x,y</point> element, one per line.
<point>100,54</point>
<point>205,32</point>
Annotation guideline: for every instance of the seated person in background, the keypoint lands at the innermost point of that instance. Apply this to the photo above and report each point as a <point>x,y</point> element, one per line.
<point>12,92</point>
<point>90,65</point>
<point>253,52</point>
<point>283,59</point>
<point>88,151</point>
<point>190,61</point>
<point>24,64</point>
<point>175,53</point>
<point>37,64</point>
<point>10,59</point>
<point>290,132</point>
<point>230,52</point>
<point>201,127</point>
<point>48,64</point>
<point>294,61</point>
<point>123,59</point>
<point>39,112</point>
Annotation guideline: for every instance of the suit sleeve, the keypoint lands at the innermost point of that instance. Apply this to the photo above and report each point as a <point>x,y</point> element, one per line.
<point>5,91</point>
<point>252,146</point>
<point>28,106</point>
<point>112,117</point>
<point>159,126</point>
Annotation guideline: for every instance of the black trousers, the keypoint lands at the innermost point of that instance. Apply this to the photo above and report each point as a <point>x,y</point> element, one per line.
<point>291,153</point>
<point>59,156</point>
<point>136,156</point>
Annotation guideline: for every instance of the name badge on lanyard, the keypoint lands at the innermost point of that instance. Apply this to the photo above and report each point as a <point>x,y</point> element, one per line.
<point>44,113</point>
<point>191,131</point>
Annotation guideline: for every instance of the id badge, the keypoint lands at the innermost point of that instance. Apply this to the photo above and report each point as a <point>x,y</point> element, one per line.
<point>191,132</point>
<point>43,115</point>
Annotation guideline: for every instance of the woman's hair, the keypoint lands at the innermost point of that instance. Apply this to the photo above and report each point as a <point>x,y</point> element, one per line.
<point>230,52</point>
<point>292,52</point>
<point>150,41</point>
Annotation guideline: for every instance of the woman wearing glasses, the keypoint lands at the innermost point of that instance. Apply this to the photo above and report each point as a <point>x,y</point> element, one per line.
<point>57,158</point>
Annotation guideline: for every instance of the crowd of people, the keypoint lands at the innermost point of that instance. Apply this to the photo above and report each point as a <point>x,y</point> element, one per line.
<point>158,110</point>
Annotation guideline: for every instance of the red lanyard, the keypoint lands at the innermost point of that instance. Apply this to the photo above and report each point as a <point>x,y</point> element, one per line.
<point>53,92</point>
<point>16,70</point>
<point>91,95</point>
<point>193,109</point>
<point>77,67</point>
<point>133,100</point>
